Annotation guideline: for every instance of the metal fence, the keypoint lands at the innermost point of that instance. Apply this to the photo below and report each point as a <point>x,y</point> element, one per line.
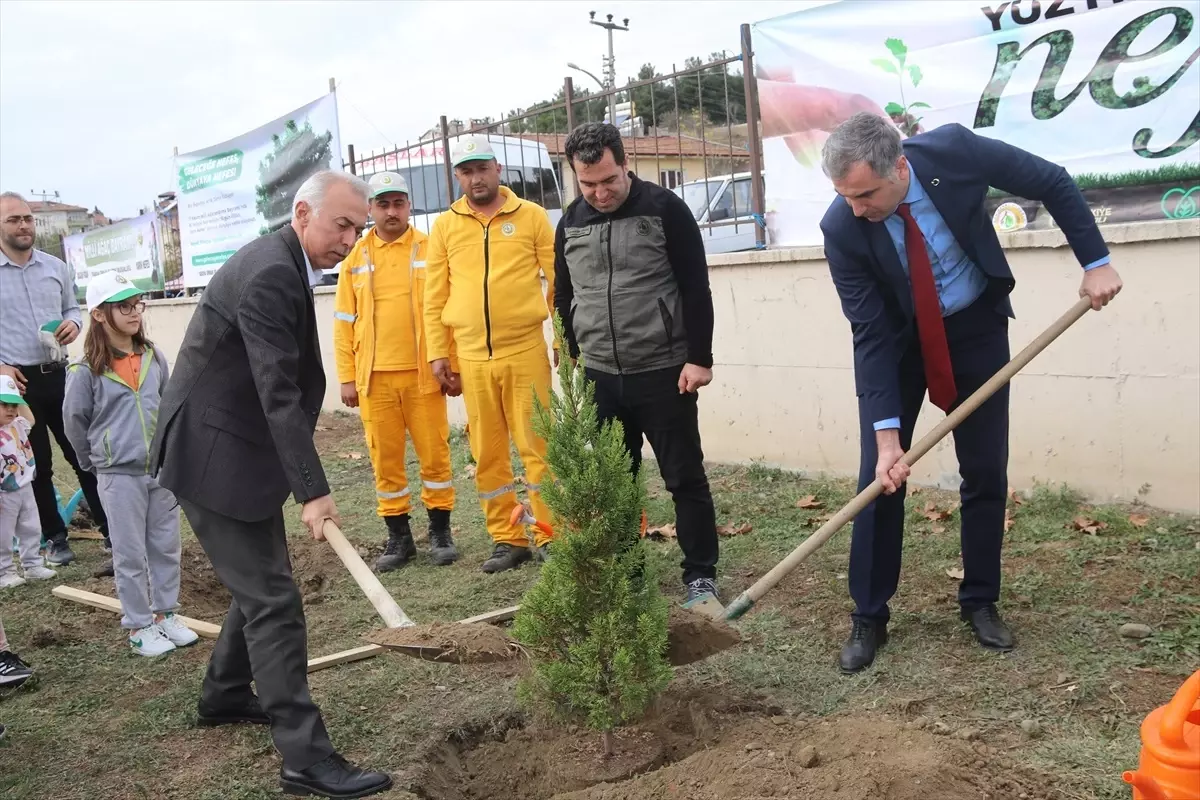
<point>693,130</point>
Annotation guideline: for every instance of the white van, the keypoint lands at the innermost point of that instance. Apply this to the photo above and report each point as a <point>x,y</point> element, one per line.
<point>722,198</point>
<point>526,169</point>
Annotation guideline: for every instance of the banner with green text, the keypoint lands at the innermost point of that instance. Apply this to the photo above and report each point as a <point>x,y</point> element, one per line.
<point>233,192</point>
<point>130,247</point>
<point>1109,89</point>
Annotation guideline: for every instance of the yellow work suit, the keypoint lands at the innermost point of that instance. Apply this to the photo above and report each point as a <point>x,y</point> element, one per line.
<point>379,340</point>
<point>484,285</point>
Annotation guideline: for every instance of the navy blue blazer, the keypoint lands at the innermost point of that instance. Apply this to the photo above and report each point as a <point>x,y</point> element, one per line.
<point>956,167</point>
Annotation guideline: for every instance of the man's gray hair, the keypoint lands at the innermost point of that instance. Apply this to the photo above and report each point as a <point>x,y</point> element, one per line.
<point>313,190</point>
<point>12,196</point>
<point>864,137</point>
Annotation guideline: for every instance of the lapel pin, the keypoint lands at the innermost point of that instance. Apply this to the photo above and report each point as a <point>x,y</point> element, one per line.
<point>935,181</point>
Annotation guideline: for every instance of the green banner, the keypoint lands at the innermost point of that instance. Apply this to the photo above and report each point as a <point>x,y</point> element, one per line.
<point>212,171</point>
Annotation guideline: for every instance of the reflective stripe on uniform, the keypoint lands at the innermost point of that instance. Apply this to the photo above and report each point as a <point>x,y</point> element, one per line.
<point>418,265</point>
<point>362,269</point>
<point>393,495</point>
<point>344,317</point>
<point>438,484</point>
<point>508,487</point>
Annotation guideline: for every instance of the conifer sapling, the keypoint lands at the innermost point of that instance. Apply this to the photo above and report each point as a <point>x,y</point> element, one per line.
<point>595,623</point>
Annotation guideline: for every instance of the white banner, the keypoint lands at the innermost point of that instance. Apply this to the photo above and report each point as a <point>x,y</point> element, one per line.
<point>1109,89</point>
<point>130,247</point>
<point>233,192</point>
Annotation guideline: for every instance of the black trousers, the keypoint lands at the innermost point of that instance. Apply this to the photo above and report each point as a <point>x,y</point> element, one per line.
<point>649,404</point>
<point>263,638</point>
<point>44,393</point>
<point>978,341</point>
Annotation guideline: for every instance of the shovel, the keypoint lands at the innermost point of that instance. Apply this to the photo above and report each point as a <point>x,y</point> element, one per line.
<point>748,598</point>
<point>391,613</point>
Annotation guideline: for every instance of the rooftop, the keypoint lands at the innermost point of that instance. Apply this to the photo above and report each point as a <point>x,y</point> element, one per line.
<point>648,146</point>
<point>49,207</point>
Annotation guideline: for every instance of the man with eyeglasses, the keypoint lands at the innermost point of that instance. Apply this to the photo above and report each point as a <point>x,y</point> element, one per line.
<point>39,318</point>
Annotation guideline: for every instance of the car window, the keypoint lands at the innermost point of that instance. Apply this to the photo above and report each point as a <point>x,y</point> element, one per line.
<point>699,195</point>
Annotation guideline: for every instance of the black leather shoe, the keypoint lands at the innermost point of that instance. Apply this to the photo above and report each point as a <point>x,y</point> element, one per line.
<point>859,650</point>
<point>989,629</point>
<point>248,713</point>
<point>333,777</point>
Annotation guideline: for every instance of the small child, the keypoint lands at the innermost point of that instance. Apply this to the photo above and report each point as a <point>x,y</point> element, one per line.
<point>18,509</point>
<point>110,411</point>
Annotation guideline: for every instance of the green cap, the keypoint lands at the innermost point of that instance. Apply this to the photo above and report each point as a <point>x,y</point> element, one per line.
<point>9,393</point>
<point>471,148</point>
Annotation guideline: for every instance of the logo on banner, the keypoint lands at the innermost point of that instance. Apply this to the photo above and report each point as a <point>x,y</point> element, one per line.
<point>1178,204</point>
<point>1009,217</point>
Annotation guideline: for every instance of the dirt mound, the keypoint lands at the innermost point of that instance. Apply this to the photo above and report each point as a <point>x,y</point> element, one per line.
<point>451,642</point>
<point>201,594</point>
<point>699,747</point>
<point>503,760</point>
<point>692,637</point>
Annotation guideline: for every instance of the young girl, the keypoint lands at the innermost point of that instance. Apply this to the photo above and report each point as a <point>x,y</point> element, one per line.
<point>109,412</point>
<point>18,509</point>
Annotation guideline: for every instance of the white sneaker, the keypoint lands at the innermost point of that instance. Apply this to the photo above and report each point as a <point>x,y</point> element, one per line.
<point>10,579</point>
<point>179,634</point>
<point>40,573</point>
<point>150,641</point>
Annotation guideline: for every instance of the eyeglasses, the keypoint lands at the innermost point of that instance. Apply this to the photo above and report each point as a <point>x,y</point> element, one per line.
<point>128,309</point>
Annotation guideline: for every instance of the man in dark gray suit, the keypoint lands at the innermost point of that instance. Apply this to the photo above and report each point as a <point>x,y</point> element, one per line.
<point>234,439</point>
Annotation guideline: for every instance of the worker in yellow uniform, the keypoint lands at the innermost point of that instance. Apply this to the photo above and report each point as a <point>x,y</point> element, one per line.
<point>488,254</point>
<point>383,367</point>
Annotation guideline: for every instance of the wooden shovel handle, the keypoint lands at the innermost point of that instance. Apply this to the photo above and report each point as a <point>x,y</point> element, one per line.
<point>393,616</point>
<point>864,498</point>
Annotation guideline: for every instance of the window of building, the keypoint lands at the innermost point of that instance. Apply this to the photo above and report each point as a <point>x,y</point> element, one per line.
<point>670,178</point>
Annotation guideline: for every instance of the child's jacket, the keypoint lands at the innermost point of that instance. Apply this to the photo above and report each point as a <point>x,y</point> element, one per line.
<point>110,423</point>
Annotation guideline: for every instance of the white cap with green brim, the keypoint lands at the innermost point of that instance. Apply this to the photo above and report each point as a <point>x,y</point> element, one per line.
<point>9,392</point>
<point>109,287</point>
<point>384,182</point>
<point>471,148</point>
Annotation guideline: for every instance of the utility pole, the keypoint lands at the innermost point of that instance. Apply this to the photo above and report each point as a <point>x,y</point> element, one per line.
<point>44,194</point>
<point>610,63</point>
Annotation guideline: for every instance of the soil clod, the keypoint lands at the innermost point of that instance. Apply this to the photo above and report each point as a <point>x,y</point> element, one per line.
<point>692,637</point>
<point>450,642</point>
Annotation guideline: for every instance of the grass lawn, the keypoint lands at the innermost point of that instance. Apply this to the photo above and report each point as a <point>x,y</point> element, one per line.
<point>101,722</point>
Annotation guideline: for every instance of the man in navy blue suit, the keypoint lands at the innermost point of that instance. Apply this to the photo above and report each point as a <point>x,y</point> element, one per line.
<point>925,285</point>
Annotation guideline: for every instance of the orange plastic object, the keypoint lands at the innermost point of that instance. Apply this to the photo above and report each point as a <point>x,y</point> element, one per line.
<point>1169,765</point>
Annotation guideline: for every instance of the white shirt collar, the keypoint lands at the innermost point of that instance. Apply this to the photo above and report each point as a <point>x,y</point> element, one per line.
<point>313,277</point>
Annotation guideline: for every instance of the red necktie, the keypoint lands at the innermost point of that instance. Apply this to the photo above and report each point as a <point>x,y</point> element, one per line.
<point>939,375</point>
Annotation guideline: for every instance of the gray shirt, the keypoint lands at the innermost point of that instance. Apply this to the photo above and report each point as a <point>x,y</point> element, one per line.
<point>30,296</point>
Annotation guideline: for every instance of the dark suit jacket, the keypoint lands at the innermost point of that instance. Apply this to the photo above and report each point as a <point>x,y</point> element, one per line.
<point>235,427</point>
<point>955,167</point>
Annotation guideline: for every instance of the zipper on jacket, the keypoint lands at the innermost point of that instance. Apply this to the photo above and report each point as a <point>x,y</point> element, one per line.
<point>487,308</point>
<point>612,326</point>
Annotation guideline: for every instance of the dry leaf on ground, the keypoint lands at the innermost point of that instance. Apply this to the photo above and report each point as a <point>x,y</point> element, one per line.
<point>1087,525</point>
<point>352,456</point>
<point>662,532</point>
<point>734,530</point>
<point>809,501</point>
<point>1008,520</point>
<point>934,514</point>
<point>469,470</point>
<point>322,428</point>
<point>1015,497</point>
<point>938,529</point>
<point>957,574</point>
<point>1139,520</point>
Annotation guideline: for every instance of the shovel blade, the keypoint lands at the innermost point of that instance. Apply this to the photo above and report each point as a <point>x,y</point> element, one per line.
<point>707,605</point>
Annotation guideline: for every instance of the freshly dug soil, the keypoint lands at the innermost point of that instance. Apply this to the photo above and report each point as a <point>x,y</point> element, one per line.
<point>692,636</point>
<point>712,748</point>
<point>451,642</point>
<point>201,594</point>
<point>846,758</point>
<point>501,760</point>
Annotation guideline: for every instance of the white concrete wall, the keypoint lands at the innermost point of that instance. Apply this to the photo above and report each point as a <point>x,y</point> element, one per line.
<point>1111,408</point>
